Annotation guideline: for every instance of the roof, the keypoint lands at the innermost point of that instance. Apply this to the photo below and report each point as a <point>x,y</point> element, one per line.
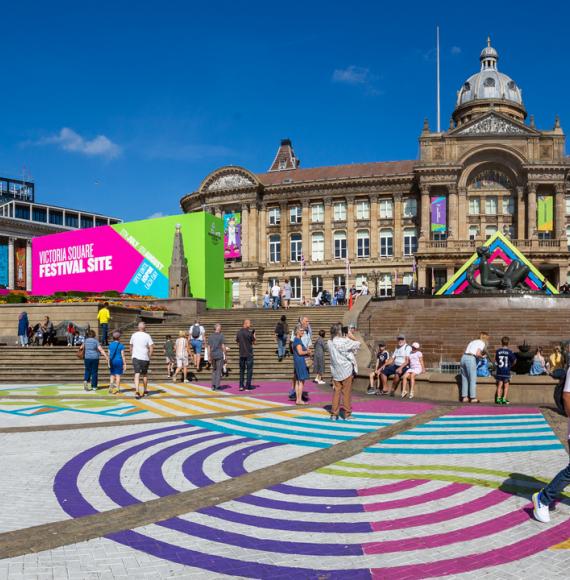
<point>352,171</point>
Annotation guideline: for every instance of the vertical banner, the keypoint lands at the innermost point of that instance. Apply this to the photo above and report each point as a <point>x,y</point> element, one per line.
<point>545,207</point>
<point>232,235</point>
<point>20,270</point>
<point>438,214</point>
<point>4,264</point>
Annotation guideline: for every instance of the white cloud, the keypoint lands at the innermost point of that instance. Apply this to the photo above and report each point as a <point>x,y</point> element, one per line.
<point>69,140</point>
<point>156,214</point>
<point>455,50</point>
<point>352,75</point>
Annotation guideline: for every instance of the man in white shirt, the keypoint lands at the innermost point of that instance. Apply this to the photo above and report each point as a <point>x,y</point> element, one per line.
<point>197,339</point>
<point>141,348</point>
<point>276,295</point>
<point>396,365</point>
<point>473,352</point>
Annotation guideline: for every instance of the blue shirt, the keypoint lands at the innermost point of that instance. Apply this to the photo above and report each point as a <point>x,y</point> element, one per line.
<point>91,347</point>
<point>115,351</point>
<point>504,360</point>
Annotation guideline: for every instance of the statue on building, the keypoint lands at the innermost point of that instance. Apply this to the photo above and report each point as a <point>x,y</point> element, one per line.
<point>495,278</point>
<point>178,276</point>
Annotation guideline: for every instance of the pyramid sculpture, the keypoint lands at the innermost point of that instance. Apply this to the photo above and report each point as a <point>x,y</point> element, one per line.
<point>500,248</point>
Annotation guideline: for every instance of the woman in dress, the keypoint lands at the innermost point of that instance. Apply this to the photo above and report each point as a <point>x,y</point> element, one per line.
<point>300,354</point>
<point>538,363</point>
<point>287,290</point>
<point>319,358</point>
<point>417,367</point>
<point>117,363</point>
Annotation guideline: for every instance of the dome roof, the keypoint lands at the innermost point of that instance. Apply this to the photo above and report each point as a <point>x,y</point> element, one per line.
<point>489,83</point>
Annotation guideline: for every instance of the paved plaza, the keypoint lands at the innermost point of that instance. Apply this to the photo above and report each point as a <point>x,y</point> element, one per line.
<point>193,484</point>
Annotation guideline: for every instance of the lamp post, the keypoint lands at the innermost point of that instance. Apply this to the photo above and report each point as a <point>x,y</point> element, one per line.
<point>375,276</point>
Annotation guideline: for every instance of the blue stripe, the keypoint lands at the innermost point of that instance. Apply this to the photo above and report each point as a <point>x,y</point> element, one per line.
<point>334,425</point>
<point>463,450</point>
<point>488,417</point>
<point>381,416</point>
<point>420,432</point>
<point>488,424</point>
<point>353,422</point>
<point>475,440</point>
<point>256,427</point>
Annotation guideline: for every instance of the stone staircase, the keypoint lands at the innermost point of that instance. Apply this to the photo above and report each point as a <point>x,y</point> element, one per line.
<point>60,364</point>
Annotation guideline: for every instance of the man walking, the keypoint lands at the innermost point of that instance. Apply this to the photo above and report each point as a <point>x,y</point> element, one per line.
<point>141,348</point>
<point>541,500</point>
<point>103,317</point>
<point>281,331</point>
<point>245,339</point>
<point>275,295</point>
<point>198,336</point>
<point>217,351</point>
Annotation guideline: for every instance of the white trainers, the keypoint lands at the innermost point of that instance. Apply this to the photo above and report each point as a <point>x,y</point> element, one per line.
<point>86,386</point>
<point>540,512</point>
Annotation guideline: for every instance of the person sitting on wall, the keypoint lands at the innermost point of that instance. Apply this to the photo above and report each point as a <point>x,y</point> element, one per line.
<point>48,332</point>
<point>524,359</point>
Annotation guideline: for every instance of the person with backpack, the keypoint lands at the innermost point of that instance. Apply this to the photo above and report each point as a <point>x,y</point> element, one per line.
<point>281,332</point>
<point>198,336</point>
<point>117,363</point>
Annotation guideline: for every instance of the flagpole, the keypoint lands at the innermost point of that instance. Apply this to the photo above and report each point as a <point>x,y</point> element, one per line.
<point>437,83</point>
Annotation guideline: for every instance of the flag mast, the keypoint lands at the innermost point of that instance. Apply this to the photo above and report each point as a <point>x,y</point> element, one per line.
<point>437,82</point>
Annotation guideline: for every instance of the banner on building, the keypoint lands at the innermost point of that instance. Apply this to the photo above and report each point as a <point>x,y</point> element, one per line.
<point>232,235</point>
<point>545,208</point>
<point>4,264</point>
<point>20,268</point>
<point>439,214</point>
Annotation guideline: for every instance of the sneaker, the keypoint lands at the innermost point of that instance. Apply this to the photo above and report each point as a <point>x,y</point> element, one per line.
<point>371,391</point>
<point>540,512</point>
<point>498,401</point>
<point>242,388</point>
<point>186,381</point>
<point>404,393</point>
<point>349,418</point>
<point>86,386</point>
<point>334,417</point>
<point>411,395</point>
<point>505,402</point>
<point>321,382</point>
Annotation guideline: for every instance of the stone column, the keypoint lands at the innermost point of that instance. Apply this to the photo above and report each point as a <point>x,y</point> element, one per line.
<point>244,233</point>
<point>328,229</point>
<point>398,230</point>
<point>350,230</point>
<point>374,228</point>
<point>463,226</point>
<point>521,213</point>
<point>421,277</point>
<point>563,274</point>
<point>284,232</point>
<point>531,211</point>
<point>253,233</point>
<point>425,218</point>
<point>263,238</point>
<point>559,211</point>
<point>306,238</point>
<point>11,263</point>
<point>28,265</point>
<point>453,217</point>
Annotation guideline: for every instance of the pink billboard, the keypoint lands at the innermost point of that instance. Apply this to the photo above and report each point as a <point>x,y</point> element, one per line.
<point>232,235</point>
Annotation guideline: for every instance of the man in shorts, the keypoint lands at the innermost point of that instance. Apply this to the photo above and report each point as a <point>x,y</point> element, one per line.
<point>141,347</point>
<point>396,365</point>
<point>197,338</point>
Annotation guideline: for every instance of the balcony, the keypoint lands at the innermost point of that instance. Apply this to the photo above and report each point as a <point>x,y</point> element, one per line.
<point>467,247</point>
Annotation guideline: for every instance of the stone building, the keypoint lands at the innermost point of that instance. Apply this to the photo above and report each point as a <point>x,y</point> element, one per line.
<point>408,222</point>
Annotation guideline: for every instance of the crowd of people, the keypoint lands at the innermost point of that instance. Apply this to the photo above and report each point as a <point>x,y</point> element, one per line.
<point>279,296</point>
<point>40,334</point>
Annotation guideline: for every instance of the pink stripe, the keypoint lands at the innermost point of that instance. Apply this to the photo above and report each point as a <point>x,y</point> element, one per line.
<point>531,283</point>
<point>440,493</point>
<point>473,532</point>
<point>493,498</point>
<point>517,551</point>
<point>391,487</point>
<point>461,287</point>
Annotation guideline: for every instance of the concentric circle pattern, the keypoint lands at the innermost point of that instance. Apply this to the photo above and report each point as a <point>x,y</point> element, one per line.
<point>453,519</point>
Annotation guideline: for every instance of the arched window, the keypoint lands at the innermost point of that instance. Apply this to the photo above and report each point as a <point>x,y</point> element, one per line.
<point>363,244</point>
<point>318,247</point>
<point>339,241</point>
<point>489,82</point>
<point>296,245</point>
<point>275,248</point>
<point>386,242</point>
<point>490,231</point>
<point>473,232</point>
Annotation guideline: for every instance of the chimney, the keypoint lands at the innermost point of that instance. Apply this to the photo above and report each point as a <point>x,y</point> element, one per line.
<point>285,158</point>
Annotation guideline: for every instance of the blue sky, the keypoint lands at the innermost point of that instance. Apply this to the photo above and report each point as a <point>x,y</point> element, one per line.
<point>122,107</point>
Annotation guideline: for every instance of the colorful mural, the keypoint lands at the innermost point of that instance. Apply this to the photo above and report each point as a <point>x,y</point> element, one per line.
<point>232,235</point>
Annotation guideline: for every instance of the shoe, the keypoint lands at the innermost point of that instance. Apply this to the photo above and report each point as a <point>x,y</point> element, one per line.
<point>137,396</point>
<point>334,417</point>
<point>349,418</point>
<point>411,395</point>
<point>540,512</point>
<point>321,383</point>
<point>249,389</point>
<point>186,381</point>
<point>371,391</point>
<point>498,400</point>
<point>242,388</point>
<point>505,402</point>
<point>404,393</point>
<point>392,393</point>
<point>86,386</point>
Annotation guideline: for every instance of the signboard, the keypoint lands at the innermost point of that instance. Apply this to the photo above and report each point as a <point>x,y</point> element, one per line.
<point>20,268</point>
<point>439,214</point>
<point>4,264</point>
<point>132,258</point>
<point>545,207</point>
<point>232,235</point>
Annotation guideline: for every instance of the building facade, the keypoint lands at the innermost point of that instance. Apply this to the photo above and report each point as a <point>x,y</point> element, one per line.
<point>22,219</point>
<point>411,222</point>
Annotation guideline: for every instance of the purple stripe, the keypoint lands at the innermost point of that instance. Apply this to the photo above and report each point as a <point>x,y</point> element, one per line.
<point>324,508</point>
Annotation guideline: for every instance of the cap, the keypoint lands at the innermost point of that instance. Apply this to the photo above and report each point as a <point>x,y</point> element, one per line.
<point>401,337</point>
<point>415,345</point>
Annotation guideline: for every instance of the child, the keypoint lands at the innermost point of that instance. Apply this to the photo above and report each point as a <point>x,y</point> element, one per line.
<point>376,364</point>
<point>417,367</point>
<point>504,360</point>
<point>170,355</point>
<point>266,301</point>
<point>117,363</point>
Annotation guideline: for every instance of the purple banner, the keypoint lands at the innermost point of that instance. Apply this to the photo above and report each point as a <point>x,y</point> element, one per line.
<point>438,214</point>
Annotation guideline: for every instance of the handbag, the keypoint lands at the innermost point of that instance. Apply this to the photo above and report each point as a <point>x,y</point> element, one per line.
<point>81,352</point>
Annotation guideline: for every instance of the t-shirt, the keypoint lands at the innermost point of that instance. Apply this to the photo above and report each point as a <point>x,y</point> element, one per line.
<point>91,346</point>
<point>401,353</point>
<point>382,357</point>
<point>567,390</point>
<point>181,347</point>
<point>245,339</point>
<point>474,346</point>
<point>140,343</point>
<point>103,316</point>
<point>504,359</point>
<point>115,351</point>
<point>215,341</point>
<point>169,348</point>
<point>275,291</point>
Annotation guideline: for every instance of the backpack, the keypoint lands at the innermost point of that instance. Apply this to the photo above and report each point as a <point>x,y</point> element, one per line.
<point>196,331</point>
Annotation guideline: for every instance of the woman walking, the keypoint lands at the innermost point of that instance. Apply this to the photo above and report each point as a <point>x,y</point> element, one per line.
<point>300,353</point>
<point>287,291</point>
<point>92,352</point>
<point>117,363</point>
<point>342,350</point>
<point>182,350</point>
<point>23,324</point>
<point>474,351</point>
<point>319,358</point>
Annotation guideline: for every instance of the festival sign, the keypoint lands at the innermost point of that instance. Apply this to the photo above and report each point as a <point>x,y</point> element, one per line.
<point>545,207</point>
<point>438,214</point>
<point>232,235</point>
<point>132,258</point>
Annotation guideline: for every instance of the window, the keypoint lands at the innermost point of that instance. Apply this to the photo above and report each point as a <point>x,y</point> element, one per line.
<point>100,222</point>
<point>362,210</point>
<point>509,205</point>
<point>275,248</point>
<point>568,205</point>
<point>86,222</point>
<point>295,214</point>
<point>410,207</point>
<point>386,242</point>
<point>296,246</point>
<point>490,231</point>
<point>271,282</point>
<point>408,278</point>
<point>39,214</point>
<point>474,206</point>
<point>386,209</point>
<point>316,285</point>
<point>339,241</point>
<point>339,281</point>
<point>410,241</point>
<point>473,232</point>
<point>385,285</point>
<point>318,213</point>
<point>56,217</point>
<point>71,220</point>
<point>274,216</point>
<point>3,186</point>
<point>295,287</point>
<point>439,236</point>
<point>339,211</point>
<point>363,244</point>
<point>23,212</point>
<point>359,279</point>
<point>491,205</point>
<point>235,290</point>
<point>318,247</point>
<point>544,235</point>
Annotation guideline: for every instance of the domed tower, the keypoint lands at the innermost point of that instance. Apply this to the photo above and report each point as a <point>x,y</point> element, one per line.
<point>488,89</point>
